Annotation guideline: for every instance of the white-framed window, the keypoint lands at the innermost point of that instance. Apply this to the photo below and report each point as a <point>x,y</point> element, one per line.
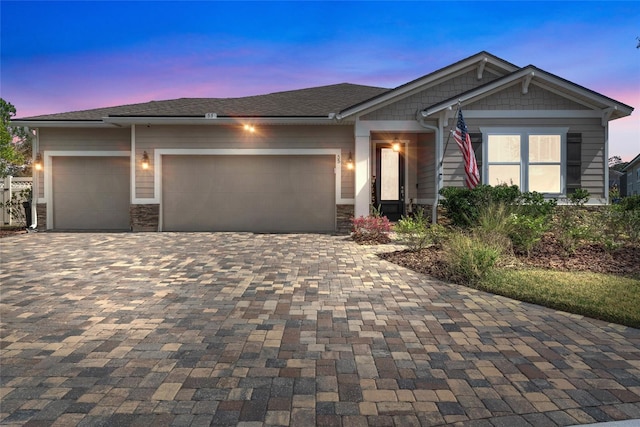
<point>534,159</point>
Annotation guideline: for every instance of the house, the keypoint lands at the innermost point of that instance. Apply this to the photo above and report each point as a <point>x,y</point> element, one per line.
<point>631,179</point>
<point>308,160</point>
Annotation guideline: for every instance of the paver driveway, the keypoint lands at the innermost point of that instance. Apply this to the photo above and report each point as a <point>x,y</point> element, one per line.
<point>225,329</point>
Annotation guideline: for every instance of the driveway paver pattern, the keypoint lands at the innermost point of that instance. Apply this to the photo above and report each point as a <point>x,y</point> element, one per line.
<point>191,329</point>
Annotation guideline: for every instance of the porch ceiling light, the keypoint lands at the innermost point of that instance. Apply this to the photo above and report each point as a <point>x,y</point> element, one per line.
<point>249,128</point>
<point>145,161</point>
<point>396,144</point>
<point>37,163</point>
<point>350,162</point>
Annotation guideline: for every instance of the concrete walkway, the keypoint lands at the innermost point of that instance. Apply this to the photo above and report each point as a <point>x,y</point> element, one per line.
<point>198,329</point>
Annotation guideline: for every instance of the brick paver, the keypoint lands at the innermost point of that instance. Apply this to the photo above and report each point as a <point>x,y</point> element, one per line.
<point>191,329</point>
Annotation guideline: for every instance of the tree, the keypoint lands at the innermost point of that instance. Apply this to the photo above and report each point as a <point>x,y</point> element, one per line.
<point>616,163</point>
<point>15,143</point>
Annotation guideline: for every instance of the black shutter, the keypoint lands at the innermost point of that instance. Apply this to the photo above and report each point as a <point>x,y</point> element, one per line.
<point>574,161</point>
<point>476,143</point>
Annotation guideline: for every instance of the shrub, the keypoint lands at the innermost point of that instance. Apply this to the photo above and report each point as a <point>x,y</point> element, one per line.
<point>371,229</point>
<point>494,219</point>
<point>527,231</point>
<point>463,205</point>
<point>413,231</point>
<point>534,204</point>
<point>572,227</point>
<point>579,197</point>
<point>624,218</point>
<point>470,258</point>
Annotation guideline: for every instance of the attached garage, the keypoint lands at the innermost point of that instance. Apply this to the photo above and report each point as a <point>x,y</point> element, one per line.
<point>260,193</point>
<point>90,193</point>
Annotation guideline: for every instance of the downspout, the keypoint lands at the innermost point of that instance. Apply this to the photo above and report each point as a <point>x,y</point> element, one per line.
<point>35,189</point>
<point>438,143</point>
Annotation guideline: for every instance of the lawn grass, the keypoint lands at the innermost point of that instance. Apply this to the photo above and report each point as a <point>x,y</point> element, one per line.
<point>602,296</point>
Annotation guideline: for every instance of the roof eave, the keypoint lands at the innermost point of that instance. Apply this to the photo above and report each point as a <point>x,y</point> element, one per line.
<point>36,123</point>
<point>216,120</point>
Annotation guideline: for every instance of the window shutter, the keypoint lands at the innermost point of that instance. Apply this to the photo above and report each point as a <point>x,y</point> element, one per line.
<point>476,143</point>
<point>574,161</point>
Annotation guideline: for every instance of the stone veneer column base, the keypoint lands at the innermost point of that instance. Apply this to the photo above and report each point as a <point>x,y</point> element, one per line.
<point>41,216</point>
<point>144,217</point>
<point>344,215</point>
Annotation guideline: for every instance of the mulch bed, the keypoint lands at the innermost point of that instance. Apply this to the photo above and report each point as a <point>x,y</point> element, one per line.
<point>623,261</point>
<point>7,232</point>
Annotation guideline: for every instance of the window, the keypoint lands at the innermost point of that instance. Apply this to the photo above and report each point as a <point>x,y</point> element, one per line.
<point>532,159</point>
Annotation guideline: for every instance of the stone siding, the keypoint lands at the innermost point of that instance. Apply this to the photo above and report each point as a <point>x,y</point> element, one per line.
<point>41,212</point>
<point>144,217</point>
<point>344,215</point>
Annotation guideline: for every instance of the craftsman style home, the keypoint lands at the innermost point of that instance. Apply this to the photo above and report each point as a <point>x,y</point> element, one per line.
<point>308,160</point>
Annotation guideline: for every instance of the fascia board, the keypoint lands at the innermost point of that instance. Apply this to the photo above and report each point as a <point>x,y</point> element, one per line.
<point>216,121</point>
<point>62,123</point>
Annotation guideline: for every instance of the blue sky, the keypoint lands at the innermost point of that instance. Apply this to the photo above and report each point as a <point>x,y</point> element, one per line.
<point>65,56</point>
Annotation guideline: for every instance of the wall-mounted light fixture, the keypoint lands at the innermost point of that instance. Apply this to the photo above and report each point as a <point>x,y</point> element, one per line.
<point>37,163</point>
<point>145,161</point>
<point>249,128</point>
<point>396,144</point>
<point>350,161</point>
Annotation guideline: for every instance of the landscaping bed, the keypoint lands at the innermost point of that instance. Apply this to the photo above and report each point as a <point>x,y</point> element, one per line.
<point>549,254</point>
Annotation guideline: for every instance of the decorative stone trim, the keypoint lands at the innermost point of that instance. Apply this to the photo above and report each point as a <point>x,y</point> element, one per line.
<point>344,214</point>
<point>41,214</point>
<point>144,217</point>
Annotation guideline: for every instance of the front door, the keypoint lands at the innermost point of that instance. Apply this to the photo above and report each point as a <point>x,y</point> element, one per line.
<point>390,182</point>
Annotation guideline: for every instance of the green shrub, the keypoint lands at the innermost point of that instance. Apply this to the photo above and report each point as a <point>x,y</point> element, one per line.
<point>494,219</point>
<point>463,205</point>
<point>527,231</point>
<point>534,204</point>
<point>413,231</point>
<point>572,227</point>
<point>579,197</point>
<point>438,234</point>
<point>470,258</point>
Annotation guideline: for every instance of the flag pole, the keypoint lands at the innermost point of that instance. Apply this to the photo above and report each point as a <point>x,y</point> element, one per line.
<point>455,118</point>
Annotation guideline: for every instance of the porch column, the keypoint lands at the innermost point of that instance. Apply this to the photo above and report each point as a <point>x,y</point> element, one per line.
<point>363,173</point>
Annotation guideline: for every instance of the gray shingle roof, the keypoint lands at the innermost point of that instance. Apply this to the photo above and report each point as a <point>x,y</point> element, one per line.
<point>311,102</point>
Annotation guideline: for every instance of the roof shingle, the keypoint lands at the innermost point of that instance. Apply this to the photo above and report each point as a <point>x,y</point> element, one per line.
<point>312,102</point>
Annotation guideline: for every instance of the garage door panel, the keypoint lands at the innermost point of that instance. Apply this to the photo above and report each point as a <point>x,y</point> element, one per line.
<point>249,193</point>
<point>90,193</point>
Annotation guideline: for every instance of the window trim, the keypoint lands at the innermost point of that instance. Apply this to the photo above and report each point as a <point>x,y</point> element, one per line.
<point>524,133</point>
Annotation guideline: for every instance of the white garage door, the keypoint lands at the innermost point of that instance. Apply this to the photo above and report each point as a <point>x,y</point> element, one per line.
<point>91,193</point>
<point>248,193</point>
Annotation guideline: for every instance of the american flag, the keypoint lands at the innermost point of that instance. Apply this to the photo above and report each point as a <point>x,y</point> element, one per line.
<point>461,135</point>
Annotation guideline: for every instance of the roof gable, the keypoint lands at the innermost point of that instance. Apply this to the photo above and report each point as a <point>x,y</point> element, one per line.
<point>479,63</point>
<point>531,75</point>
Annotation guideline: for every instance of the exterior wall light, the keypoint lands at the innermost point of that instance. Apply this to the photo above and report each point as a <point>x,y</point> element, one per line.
<point>37,163</point>
<point>249,128</point>
<point>396,144</point>
<point>350,165</point>
<point>145,161</point>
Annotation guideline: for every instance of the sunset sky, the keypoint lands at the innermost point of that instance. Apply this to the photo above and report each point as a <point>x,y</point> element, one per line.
<point>66,56</point>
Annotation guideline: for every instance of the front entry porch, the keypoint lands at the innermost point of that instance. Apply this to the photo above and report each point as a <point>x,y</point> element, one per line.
<point>395,170</point>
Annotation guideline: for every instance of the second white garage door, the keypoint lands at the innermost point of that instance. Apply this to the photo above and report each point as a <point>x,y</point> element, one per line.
<point>249,193</point>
